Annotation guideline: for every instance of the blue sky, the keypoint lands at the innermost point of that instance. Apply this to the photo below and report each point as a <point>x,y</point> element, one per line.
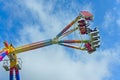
<point>27,21</point>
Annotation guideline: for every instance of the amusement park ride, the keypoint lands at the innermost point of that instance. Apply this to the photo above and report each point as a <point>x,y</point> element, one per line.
<point>82,23</point>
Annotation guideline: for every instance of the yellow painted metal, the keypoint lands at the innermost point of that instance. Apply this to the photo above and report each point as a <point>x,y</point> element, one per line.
<point>14,62</point>
<point>11,51</point>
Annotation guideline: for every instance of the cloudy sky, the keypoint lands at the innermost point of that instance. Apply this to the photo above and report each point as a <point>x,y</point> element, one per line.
<point>26,21</point>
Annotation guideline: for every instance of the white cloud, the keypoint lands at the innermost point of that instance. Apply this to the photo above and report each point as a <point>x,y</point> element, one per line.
<point>54,62</point>
<point>52,65</point>
<point>47,64</point>
<point>111,20</point>
<point>108,19</point>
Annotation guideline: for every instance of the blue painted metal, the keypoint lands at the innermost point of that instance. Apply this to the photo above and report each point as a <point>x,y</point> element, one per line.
<point>17,74</point>
<point>11,73</point>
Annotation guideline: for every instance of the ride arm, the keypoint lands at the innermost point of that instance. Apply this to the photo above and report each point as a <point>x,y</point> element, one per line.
<point>68,26</point>
<point>43,44</point>
<point>67,43</point>
<point>33,46</point>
